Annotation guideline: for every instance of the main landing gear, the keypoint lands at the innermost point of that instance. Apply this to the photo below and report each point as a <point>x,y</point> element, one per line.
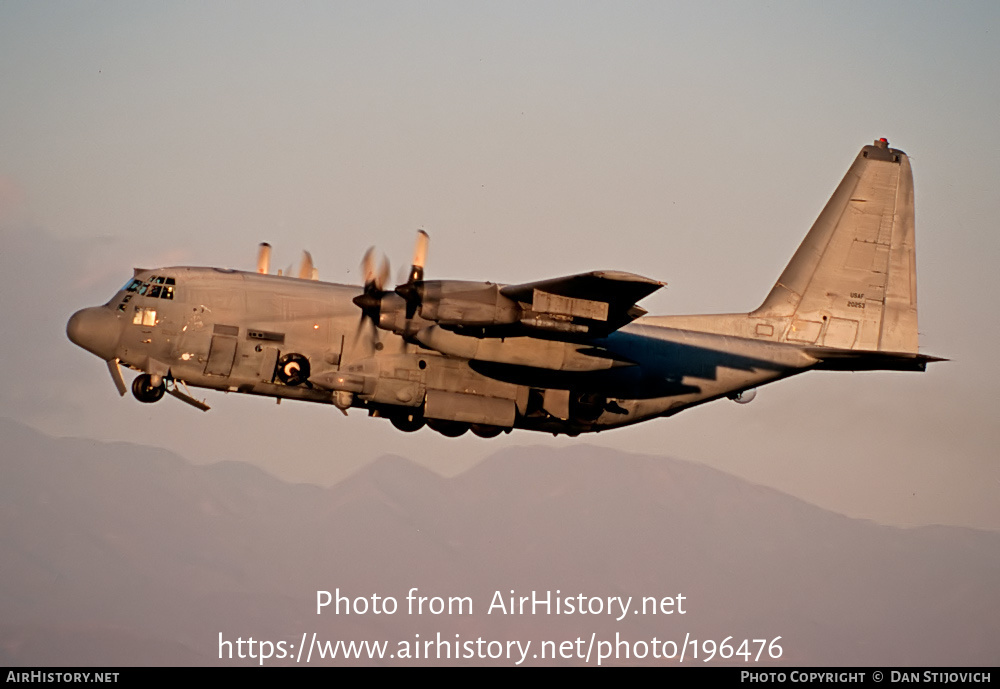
<point>408,423</point>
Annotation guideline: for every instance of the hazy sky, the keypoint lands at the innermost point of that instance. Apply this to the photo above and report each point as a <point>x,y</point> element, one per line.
<point>691,142</point>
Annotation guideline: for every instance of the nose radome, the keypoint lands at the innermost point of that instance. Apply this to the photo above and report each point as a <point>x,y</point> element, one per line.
<point>96,330</point>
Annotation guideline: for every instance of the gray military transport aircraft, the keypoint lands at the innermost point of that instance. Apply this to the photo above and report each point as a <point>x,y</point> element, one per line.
<point>567,355</point>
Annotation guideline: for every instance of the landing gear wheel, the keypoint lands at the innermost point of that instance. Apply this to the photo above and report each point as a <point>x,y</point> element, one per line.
<point>144,390</point>
<point>486,431</point>
<point>449,429</point>
<point>408,423</point>
<point>293,369</point>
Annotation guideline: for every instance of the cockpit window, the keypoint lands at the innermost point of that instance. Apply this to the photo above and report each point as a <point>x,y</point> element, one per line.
<point>157,286</point>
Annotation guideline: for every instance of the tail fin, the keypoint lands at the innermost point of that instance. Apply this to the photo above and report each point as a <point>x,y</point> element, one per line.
<point>852,282</point>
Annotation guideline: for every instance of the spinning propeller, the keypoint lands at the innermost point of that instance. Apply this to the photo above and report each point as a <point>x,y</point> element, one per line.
<point>410,290</point>
<point>371,299</point>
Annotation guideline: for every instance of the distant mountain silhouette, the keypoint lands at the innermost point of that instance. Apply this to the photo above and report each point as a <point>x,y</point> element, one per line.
<point>118,554</point>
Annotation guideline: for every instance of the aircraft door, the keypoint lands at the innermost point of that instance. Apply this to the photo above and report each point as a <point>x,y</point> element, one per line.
<point>268,362</point>
<point>222,352</point>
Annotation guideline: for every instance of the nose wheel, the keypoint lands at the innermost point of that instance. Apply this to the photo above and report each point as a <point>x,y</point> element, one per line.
<point>144,390</point>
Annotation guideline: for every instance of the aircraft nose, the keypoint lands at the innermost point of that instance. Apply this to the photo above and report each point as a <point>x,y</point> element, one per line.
<point>96,330</point>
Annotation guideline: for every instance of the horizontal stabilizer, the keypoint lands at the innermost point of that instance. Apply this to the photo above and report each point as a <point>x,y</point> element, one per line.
<point>859,360</point>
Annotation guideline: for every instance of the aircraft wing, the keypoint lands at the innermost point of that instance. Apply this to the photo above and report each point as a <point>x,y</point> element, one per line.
<point>604,299</point>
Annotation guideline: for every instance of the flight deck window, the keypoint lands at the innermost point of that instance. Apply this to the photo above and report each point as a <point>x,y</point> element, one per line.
<point>157,286</point>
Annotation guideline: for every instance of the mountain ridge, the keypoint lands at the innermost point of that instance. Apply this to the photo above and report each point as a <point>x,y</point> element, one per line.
<point>104,540</point>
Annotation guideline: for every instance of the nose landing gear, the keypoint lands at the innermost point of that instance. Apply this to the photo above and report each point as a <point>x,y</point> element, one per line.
<point>144,390</point>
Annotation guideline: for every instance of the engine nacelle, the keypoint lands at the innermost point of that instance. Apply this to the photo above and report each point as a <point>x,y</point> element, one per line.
<point>467,304</point>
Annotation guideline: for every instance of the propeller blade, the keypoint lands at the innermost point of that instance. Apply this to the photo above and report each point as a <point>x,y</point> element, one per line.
<point>383,273</point>
<point>306,269</point>
<point>366,318</point>
<point>116,375</point>
<point>370,300</point>
<point>359,328</point>
<point>264,258</point>
<point>368,267</point>
<point>411,294</point>
<point>410,290</point>
<point>419,257</point>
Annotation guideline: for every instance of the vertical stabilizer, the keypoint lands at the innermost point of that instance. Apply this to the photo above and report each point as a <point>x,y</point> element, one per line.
<point>852,282</point>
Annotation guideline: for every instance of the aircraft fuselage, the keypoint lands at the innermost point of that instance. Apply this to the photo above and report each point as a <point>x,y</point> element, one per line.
<point>566,355</point>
